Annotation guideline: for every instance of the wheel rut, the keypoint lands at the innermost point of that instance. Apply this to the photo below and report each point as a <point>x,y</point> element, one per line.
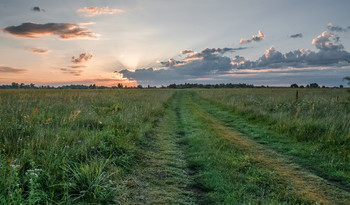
<point>163,176</point>
<point>304,184</point>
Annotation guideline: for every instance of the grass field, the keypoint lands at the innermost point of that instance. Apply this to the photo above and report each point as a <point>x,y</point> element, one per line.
<point>167,146</point>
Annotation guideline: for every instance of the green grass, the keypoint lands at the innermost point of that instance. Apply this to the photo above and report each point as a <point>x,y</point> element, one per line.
<point>319,138</point>
<point>79,143</point>
<point>159,146</point>
<point>162,177</point>
<point>224,173</point>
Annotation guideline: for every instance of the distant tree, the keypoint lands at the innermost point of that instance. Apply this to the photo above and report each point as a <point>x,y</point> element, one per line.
<point>120,85</point>
<point>14,85</point>
<point>341,86</point>
<point>139,86</point>
<point>301,86</point>
<point>294,85</point>
<point>314,85</point>
<point>92,86</point>
<point>172,85</point>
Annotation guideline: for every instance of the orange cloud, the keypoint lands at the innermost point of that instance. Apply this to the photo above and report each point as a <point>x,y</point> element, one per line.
<point>258,37</point>
<point>7,69</point>
<point>63,30</point>
<point>39,50</point>
<point>95,11</point>
<point>71,71</point>
<point>83,57</point>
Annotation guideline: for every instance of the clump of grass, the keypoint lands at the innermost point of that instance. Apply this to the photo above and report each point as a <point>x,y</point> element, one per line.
<point>90,182</point>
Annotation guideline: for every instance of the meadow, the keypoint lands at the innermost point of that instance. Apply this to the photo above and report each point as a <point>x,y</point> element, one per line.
<point>173,146</point>
<point>71,146</point>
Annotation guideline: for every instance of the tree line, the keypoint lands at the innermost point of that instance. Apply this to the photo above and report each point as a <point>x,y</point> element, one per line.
<point>171,86</point>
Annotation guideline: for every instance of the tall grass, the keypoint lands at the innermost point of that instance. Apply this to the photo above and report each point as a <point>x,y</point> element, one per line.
<point>318,115</point>
<point>319,120</point>
<point>72,146</point>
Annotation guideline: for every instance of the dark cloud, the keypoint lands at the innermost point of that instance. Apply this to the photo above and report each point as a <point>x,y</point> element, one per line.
<point>78,66</point>
<point>75,70</point>
<point>72,71</point>
<point>39,50</point>
<point>193,69</point>
<point>172,62</point>
<point>187,51</point>
<point>37,9</point>
<point>238,59</point>
<point>83,57</point>
<point>63,30</point>
<point>206,54</point>
<point>6,69</point>
<point>210,52</point>
<point>337,28</point>
<point>258,37</point>
<point>297,35</point>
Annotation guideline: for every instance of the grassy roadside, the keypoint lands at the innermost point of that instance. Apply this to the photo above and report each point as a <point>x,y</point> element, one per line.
<point>72,146</point>
<point>309,154</point>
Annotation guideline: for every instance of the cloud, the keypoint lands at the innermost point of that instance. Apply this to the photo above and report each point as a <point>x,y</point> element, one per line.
<point>39,50</point>
<point>258,37</point>
<point>210,63</point>
<point>95,11</point>
<point>75,70</point>
<point>187,51</point>
<point>337,28</point>
<point>206,54</point>
<point>72,71</point>
<point>83,57</point>
<point>6,69</point>
<point>297,35</point>
<point>78,66</point>
<point>209,53</point>
<point>172,62</point>
<point>329,54</point>
<point>37,9</point>
<point>63,30</point>
<point>324,42</point>
<point>238,60</point>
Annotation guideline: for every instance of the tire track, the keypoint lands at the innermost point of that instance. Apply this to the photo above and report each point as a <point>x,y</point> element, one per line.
<point>304,184</point>
<point>163,176</point>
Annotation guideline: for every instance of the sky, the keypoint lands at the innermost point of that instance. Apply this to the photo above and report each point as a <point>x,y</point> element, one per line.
<point>160,42</point>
